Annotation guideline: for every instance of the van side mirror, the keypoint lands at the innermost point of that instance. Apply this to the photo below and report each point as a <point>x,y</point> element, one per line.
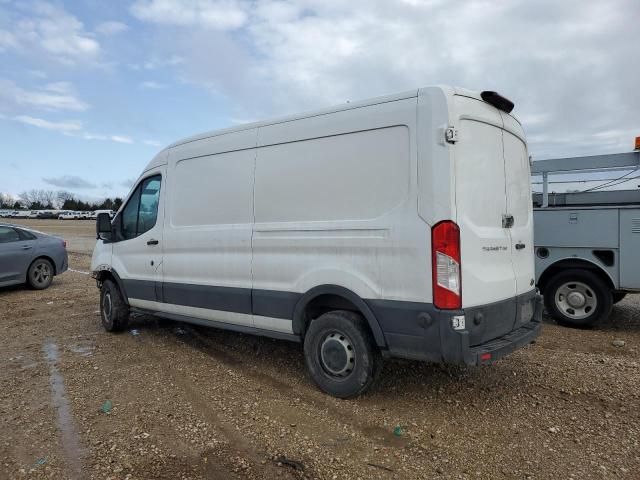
<point>103,226</point>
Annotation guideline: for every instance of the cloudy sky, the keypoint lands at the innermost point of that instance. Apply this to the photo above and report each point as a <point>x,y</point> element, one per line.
<point>91,90</point>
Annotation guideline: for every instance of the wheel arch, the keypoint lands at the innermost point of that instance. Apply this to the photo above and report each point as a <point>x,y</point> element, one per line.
<point>333,297</point>
<point>110,274</point>
<point>576,263</point>
<point>49,259</point>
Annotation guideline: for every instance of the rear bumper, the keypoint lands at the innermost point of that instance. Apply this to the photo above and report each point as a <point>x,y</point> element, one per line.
<point>502,346</point>
<point>420,331</point>
<point>62,262</point>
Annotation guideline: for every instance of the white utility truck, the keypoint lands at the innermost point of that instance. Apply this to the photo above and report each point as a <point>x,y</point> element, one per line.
<point>587,242</point>
<point>398,226</point>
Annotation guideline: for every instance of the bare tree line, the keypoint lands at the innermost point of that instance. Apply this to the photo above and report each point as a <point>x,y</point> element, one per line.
<point>38,199</point>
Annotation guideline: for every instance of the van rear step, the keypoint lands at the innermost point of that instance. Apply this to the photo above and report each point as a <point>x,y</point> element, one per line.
<point>495,349</point>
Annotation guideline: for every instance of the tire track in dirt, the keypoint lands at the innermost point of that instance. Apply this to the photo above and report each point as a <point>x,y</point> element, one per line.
<point>377,435</point>
<point>260,461</point>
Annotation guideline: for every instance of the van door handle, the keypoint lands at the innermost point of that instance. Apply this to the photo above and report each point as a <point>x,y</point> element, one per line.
<point>152,242</point>
<point>507,221</point>
<point>26,247</point>
<point>520,246</point>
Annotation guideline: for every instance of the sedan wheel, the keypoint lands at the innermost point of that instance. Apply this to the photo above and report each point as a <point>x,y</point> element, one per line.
<point>40,274</point>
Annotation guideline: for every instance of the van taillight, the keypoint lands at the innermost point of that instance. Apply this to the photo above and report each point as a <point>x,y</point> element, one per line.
<point>445,265</point>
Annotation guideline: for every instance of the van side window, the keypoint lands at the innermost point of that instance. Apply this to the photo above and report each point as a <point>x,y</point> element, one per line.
<point>140,213</point>
<point>149,197</point>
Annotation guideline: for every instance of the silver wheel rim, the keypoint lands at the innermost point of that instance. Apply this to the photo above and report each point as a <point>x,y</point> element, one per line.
<point>576,300</point>
<point>41,273</point>
<point>337,355</point>
<point>106,306</point>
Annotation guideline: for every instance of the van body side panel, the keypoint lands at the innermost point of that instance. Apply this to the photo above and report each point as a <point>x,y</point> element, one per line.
<point>436,169</point>
<point>344,213</point>
<point>207,259</point>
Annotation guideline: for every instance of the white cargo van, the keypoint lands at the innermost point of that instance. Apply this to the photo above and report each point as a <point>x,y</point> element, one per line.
<point>399,226</point>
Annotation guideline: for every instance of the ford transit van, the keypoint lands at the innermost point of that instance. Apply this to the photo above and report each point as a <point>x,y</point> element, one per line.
<point>394,227</point>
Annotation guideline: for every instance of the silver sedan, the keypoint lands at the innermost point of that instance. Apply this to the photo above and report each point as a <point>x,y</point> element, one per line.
<point>28,256</point>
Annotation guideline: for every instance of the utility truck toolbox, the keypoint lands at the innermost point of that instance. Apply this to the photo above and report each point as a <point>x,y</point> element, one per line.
<point>397,226</point>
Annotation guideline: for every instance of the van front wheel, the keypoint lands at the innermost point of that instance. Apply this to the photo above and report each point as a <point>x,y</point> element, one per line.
<point>113,310</point>
<point>340,354</point>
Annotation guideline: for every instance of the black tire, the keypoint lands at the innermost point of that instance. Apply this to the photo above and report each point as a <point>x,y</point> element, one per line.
<point>585,283</point>
<point>114,312</point>
<point>618,296</point>
<point>40,274</point>
<point>341,355</point>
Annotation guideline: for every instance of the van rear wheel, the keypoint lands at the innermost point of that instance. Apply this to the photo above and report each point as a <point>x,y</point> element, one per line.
<point>114,312</point>
<point>340,354</point>
<point>578,298</point>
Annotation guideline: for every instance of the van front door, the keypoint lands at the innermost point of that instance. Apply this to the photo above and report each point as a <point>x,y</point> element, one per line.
<point>137,253</point>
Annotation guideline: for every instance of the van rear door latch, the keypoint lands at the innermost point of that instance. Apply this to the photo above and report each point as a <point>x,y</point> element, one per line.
<point>507,221</point>
<point>451,135</point>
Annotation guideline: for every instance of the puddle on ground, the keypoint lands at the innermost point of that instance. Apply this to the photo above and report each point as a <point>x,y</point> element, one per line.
<point>70,441</point>
<point>83,348</point>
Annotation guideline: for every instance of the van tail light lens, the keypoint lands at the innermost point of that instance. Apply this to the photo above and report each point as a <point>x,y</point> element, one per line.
<point>445,265</point>
<point>64,243</point>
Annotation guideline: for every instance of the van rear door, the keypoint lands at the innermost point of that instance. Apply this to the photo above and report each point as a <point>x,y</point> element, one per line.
<point>481,205</point>
<point>518,182</point>
<point>493,209</point>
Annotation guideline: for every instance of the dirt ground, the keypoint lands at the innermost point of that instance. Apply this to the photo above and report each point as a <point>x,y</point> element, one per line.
<point>171,401</point>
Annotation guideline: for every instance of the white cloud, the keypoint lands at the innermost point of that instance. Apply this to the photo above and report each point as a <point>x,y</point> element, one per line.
<point>57,126</point>
<point>51,31</point>
<point>111,28</point>
<point>215,14</point>
<point>73,129</point>
<point>566,65</point>
<point>121,139</point>
<point>54,96</point>
<point>7,40</point>
<point>154,64</point>
<point>152,85</point>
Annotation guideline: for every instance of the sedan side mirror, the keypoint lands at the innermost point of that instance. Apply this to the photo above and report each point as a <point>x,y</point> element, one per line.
<point>103,226</point>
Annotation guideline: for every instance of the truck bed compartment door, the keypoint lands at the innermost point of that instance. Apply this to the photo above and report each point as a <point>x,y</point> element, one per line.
<point>629,247</point>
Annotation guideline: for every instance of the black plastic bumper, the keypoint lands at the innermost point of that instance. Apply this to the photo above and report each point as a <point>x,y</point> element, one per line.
<point>420,331</point>
<point>500,347</point>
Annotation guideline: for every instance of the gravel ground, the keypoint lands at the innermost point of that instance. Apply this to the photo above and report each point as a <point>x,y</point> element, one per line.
<point>166,400</point>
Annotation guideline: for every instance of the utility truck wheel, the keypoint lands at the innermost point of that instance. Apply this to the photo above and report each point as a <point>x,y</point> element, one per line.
<point>578,298</point>
<point>341,355</point>
<point>113,310</point>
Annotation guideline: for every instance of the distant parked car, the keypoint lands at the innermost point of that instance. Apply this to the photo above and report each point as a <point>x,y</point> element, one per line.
<point>31,257</point>
<point>68,216</point>
<point>20,214</point>
<point>110,212</point>
<point>33,214</point>
<point>47,214</point>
